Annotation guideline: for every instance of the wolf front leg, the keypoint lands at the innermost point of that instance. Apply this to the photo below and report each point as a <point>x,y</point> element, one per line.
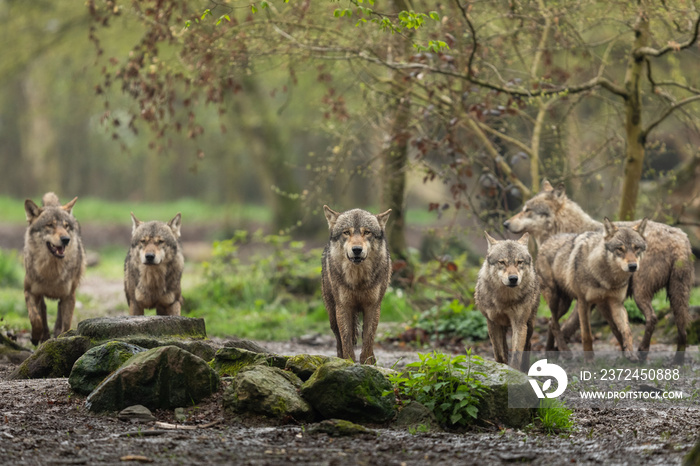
<point>584,316</point>
<point>497,333</point>
<point>64,315</point>
<point>36,308</point>
<point>347,328</point>
<point>619,317</point>
<point>172,309</point>
<point>522,331</point>
<point>370,321</point>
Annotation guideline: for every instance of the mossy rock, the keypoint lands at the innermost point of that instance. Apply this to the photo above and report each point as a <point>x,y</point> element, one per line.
<point>353,392</point>
<point>339,428</point>
<point>267,391</point>
<point>112,328</point>
<point>199,348</point>
<point>53,358</point>
<point>98,362</point>
<point>229,361</point>
<point>161,378</point>
<point>414,415</point>
<point>304,365</point>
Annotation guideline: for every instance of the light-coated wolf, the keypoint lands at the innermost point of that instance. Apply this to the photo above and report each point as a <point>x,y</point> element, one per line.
<point>356,269</point>
<point>594,268</point>
<point>54,261</point>
<point>153,267</point>
<point>668,255</point>
<point>507,293</point>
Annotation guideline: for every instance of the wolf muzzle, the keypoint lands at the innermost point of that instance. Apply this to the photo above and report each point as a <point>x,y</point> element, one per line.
<point>512,280</point>
<point>59,251</point>
<point>356,256</point>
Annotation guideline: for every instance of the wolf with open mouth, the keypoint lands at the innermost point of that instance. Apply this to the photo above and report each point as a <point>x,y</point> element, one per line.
<point>54,261</point>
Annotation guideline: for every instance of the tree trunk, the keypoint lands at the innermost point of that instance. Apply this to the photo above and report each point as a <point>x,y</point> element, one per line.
<point>634,156</point>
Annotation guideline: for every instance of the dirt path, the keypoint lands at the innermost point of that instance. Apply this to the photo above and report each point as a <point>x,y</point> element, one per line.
<point>42,422</point>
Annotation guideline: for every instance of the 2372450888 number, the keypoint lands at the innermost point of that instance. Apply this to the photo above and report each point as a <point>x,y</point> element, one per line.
<point>639,374</point>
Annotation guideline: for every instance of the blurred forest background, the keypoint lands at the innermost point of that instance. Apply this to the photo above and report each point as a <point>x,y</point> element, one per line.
<point>255,114</point>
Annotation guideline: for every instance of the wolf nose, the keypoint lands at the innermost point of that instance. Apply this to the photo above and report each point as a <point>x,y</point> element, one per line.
<point>632,266</point>
<point>506,224</point>
<point>65,240</point>
<point>150,257</point>
<point>513,279</point>
<point>357,250</point>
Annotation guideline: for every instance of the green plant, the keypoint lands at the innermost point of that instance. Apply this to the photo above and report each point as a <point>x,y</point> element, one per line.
<point>554,415</point>
<point>453,319</point>
<point>445,385</point>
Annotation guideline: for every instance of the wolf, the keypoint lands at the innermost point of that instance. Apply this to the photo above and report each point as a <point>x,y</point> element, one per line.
<point>595,269</point>
<point>54,262</point>
<point>551,212</point>
<point>356,269</point>
<point>153,267</point>
<point>507,293</point>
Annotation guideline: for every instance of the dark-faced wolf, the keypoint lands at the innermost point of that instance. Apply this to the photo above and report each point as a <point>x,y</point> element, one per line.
<point>668,254</point>
<point>356,271</point>
<point>594,268</point>
<point>507,293</point>
<point>54,261</point>
<point>153,267</point>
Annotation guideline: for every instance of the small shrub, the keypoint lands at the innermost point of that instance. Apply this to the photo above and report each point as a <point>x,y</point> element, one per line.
<point>453,320</point>
<point>554,415</point>
<point>445,385</point>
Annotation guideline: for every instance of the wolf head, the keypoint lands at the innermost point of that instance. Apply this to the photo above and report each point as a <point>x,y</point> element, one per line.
<point>155,241</point>
<point>538,213</point>
<point>626,245</point>
<point>357,231</point>
<point>52,224</point>
<point>509,259</point>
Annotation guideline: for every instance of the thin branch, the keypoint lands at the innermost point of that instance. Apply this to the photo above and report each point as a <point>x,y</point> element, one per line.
<point>652,52</point>
<point>667,112</point>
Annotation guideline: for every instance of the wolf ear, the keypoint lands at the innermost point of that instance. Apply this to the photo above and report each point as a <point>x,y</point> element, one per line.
<point>69,207</point>
<point>492,241</point>
<point>175,223</point>
<point>32,210</point>
<point>135,222</point>
<point>331,216</point>
<point>524,239</point>
<point>547,186</point>
<point>382,218</point>
<point>610,228</point>
<point>641,226</point>
<point>560,191</point>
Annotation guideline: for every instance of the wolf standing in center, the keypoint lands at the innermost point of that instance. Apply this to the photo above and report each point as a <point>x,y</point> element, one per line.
<point>507,293</point>
<point>356,270</point>
<point>153,267</point>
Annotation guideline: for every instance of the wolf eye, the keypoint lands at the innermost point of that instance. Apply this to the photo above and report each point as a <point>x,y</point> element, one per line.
<point>521,262</point>
<point>367,233</point>
<point>346,232</point>
<point>159,241</point>
<point>503,263</point>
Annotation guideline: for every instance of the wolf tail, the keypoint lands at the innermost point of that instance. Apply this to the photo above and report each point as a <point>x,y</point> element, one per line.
<point>678,291</point>
<point>50,199</point>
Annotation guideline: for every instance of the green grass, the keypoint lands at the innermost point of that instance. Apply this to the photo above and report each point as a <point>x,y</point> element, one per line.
<point>90,209</point>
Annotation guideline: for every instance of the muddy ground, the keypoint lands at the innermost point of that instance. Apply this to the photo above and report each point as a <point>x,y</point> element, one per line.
<point>42,422</point>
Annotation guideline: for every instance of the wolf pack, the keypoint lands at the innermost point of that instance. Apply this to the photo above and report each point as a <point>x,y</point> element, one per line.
<point>579,259</point>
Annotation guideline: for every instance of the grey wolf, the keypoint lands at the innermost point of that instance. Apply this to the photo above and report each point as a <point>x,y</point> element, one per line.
<point>54,261</point>
<point>153,267</point>
<point>594,268</point>
<point>356,269</point>
<point>551,212</point>
<point>507,293</point>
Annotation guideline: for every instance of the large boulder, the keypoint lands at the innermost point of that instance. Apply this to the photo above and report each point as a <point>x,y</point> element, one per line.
<point>509,398</point>
<point>54,358</point>
<point>267,391</point>
<point>353,392</point>
<point>98,362</point>
<point>112,328</point>
<point>161,378</point>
